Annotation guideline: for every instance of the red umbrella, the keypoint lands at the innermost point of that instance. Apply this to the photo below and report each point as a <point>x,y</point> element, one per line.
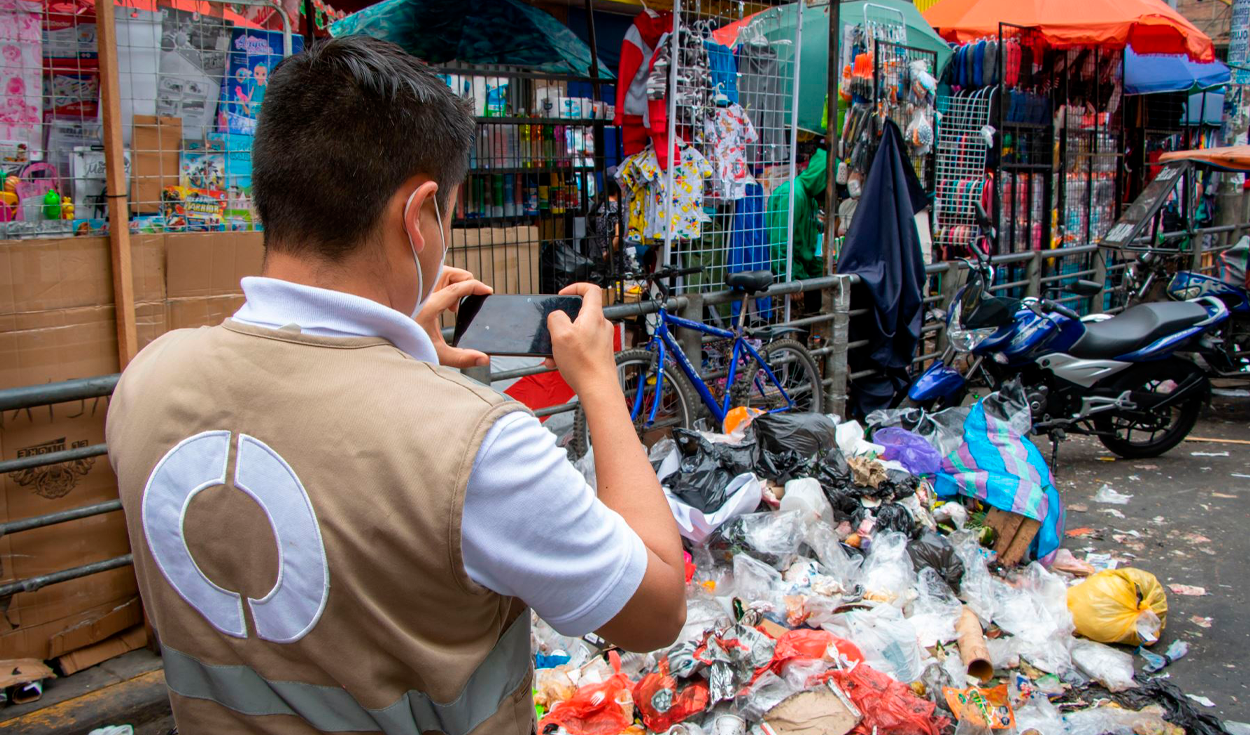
<point>1149,26</point>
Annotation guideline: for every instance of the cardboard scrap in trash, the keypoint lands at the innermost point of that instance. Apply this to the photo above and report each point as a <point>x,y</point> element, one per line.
<point>814,712</point>
<point>1014,533</point>
<point>1187,589</point>
<point>16,671</point>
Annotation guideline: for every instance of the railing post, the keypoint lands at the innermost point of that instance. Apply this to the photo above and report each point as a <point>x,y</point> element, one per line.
<point>480,374</point>
<point>837,301</point>
<point>950,285</point>
<point>1034,271</point>
<point>1098,302</point>
<point>692,341</point>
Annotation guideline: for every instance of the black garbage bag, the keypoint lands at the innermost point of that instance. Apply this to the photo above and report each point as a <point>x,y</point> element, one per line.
<point>899,484</point>
<point>560,264</point>
<point>781,467</point>
<point>706,469</point>
<point>1179,709</point>
<point>890,517</point>
<point>834,476</point>
<point>934,550</point>
<point>805,433</point>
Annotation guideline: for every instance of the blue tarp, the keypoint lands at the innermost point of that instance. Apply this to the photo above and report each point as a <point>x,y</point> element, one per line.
<point>1000,466</point>
<point>1154,73</point>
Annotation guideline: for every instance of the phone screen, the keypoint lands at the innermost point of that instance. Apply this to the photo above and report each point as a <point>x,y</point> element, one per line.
<point>507,324</point>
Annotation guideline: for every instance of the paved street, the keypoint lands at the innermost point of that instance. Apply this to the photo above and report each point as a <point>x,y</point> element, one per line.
<point>1187,523</point>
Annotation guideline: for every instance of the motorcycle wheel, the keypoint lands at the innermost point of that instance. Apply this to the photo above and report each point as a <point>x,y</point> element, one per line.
<point>1142,437</point>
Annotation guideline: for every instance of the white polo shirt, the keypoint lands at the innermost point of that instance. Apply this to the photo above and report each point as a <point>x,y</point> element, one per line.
<point>532,527</point>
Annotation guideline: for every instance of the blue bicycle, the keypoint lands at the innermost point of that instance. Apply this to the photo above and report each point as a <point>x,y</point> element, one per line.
<point>747,366</point>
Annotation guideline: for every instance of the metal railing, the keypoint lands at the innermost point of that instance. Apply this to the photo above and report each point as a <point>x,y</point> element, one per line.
<point>832,323</point>
<point>45,395</point>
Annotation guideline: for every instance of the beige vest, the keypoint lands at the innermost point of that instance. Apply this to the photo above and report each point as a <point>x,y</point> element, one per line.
<point>294,508</point>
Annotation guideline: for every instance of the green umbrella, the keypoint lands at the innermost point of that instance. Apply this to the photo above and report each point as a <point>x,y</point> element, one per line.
<point>778,24</point>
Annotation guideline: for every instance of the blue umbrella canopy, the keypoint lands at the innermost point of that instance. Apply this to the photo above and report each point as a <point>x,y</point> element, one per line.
<point>1151,73</point>
<point>475,32</point>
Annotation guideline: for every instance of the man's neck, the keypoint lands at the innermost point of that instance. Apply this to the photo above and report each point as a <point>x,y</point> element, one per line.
<point>343,277</point>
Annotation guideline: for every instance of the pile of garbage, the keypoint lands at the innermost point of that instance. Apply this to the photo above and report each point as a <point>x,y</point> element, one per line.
<point>844,580</point>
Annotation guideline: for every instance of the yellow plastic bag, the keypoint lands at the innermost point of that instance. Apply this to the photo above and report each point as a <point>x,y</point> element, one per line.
<point>1119,606</point>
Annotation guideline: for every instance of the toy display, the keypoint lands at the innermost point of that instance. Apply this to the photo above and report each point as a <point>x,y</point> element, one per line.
<point>252,55</point>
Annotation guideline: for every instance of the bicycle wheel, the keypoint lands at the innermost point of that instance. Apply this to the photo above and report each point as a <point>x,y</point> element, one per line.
<point>796,373</point>
<point>678,404</point>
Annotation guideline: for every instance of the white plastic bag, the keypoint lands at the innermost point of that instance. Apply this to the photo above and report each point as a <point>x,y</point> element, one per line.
<point>1106,665</point>
<point>935,610</point>
<point>744,494</point>
<point>1039,714</point>
<point>888,572</point>
<point>850,438</point>
<point>823,540</point>
<point>756,582</point>
<point>1036,614</point>
<point>887,640</point>
<point>804,495</point>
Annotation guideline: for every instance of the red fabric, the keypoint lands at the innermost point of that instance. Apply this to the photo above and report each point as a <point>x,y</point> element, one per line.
<point>633,134</point>
<point>1149,26</point>
<point>636,50</point>
<point>548,389</point>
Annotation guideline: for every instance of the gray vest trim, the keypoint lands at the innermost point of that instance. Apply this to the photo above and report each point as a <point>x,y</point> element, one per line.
<point>333,709</point>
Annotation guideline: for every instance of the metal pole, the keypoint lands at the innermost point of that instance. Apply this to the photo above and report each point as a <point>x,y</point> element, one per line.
<point>41,460</point>
<point>794,146</point>
<point>309,14</point>
<point>831,133</point>
<point>674,58</point>
<point>52,519</point>
<point>50,393</point>
<point>43,580</point>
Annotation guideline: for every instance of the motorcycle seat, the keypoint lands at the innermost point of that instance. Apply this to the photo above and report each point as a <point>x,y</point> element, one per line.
<point>1135,328</point>
<point>750,281</point>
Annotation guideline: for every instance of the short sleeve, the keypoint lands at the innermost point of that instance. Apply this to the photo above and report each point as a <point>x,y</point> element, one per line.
<point>534,529</point>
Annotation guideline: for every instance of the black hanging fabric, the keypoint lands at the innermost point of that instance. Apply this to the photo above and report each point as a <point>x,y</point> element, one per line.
<point>883,249</point>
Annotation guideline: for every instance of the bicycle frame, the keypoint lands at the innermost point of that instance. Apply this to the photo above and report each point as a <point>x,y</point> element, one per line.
<point>662,341</point>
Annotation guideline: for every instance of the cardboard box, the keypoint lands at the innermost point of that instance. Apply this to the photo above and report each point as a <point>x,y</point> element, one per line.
<point>57,323</point>
<point>506,259</point>
<point>83,658</point>
<point>156,147</point>
<point>814,712</point>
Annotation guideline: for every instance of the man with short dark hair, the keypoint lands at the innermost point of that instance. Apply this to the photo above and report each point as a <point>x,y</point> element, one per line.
<point>334,531</point>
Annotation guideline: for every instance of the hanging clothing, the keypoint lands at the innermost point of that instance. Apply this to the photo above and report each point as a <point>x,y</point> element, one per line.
<point>883,249</point>
<point>729,133</point>
<point>653,208</point>
<point>807,263</point>
<point>748,244</point>
<point>637,49</point>
<point>724,70</point>
<point>759,93</point>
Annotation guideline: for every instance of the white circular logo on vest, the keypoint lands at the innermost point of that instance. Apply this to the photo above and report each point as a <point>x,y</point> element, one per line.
<point>292,608</point>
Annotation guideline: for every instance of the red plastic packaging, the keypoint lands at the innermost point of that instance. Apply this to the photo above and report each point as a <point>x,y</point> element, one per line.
<point>807,644</point>
<point>889,707</point>
<point>678,706</point>
<point>595,709</point>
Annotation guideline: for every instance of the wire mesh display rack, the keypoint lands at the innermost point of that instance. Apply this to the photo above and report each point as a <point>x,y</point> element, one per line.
<point>893,72</point>
<point>961,183</point>
<point>712,114</point>
<point>190,85</point>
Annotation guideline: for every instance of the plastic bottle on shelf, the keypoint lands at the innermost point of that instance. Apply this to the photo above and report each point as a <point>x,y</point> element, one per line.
<point>509,201</point>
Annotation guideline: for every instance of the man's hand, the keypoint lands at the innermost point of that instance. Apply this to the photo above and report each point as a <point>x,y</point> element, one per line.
<point>453,285</point>
<point>583,348</point>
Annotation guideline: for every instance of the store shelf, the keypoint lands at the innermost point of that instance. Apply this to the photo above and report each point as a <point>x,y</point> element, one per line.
<point>543,121</point>
<point>532,170</point>
<point>1028,166</point>
<point>1026,125</point>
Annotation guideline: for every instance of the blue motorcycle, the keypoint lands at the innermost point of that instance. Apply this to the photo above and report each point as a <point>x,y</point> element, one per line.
<point>1122,379</point>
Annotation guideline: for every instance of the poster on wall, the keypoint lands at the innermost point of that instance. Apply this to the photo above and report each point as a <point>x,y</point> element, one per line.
<point>252,56</point>
<point>21,83</point>
<point>193,61</point>
<point>1239,42</point>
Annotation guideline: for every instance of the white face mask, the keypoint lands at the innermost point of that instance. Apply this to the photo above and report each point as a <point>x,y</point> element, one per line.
<point>416,262</point>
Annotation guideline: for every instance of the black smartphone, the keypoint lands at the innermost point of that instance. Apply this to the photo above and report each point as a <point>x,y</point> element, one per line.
<point>509,324</point>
